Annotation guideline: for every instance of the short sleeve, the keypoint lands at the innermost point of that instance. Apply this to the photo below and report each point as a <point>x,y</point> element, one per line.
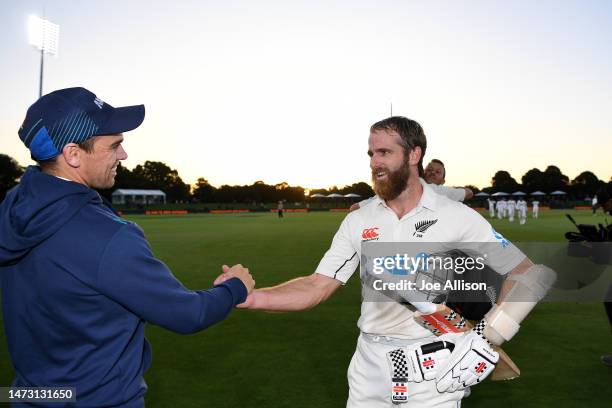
<point>502,255</point>
<point>341,259</point>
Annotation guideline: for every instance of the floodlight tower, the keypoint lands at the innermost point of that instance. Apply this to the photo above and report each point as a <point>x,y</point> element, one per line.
<point>44,36</point>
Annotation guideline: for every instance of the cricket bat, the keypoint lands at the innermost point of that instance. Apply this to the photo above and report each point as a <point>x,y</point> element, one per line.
<point>445,320</point>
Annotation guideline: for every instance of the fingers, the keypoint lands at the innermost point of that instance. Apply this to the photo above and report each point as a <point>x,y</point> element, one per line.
<point>221,278</point>
<point>237,271</point>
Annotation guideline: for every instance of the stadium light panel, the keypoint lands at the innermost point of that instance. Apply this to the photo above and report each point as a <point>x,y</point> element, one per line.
<point>43,35</point>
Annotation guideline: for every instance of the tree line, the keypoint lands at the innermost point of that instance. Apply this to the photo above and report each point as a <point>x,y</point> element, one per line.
<point>585,185</point>
<point>154,175</point>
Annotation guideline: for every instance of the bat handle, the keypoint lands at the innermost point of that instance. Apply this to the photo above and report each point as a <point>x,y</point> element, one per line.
<point>436,346</point>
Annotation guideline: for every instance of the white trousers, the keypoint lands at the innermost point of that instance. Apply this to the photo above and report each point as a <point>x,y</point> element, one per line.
<point>369,378</point>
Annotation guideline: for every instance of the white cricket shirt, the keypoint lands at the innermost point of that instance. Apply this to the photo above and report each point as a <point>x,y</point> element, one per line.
<point>454,222</point>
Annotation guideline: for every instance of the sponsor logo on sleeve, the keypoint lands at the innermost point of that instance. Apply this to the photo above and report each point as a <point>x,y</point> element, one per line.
<point>503,241</point>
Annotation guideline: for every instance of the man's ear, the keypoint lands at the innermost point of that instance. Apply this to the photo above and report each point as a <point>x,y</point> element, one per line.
<point>414,156</point>
<point>72,154</point>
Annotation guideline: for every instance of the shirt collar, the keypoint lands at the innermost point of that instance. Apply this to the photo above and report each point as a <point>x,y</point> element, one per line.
<point>429,199</point>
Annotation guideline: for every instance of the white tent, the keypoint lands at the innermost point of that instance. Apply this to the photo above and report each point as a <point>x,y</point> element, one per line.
<point>128,196</point>
<point>335,195</point>
<point>481,194</point>
<point>317,195</point>
<point>558,192</point>
<point>538,193</point>
<point>519,193</point>
<point>500,194</point>
<point>352,195</point>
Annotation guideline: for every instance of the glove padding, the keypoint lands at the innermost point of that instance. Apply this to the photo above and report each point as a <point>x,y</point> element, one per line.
<point>471,361</point>
<point>416,364</point>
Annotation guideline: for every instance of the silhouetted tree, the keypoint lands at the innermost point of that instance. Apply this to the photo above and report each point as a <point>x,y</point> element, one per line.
<point>203,191</point>
<point>10,172</point>
<point>159,176</point>
<point>361,188</point>
<point>533,180</point>
<point>585,184</point>
<point>503,181</point>
<point>554,179</point>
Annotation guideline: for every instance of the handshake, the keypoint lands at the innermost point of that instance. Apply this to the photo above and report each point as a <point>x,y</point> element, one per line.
<point>237,271</point>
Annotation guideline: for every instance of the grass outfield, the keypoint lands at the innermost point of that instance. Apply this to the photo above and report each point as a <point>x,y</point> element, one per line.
<point>300,359</point>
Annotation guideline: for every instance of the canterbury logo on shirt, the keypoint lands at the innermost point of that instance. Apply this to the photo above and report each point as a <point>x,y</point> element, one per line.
<point>422,226</point>
<point>370,234</point>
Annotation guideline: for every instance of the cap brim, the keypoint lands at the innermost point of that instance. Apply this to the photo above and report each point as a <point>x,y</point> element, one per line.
<point>123,119</point>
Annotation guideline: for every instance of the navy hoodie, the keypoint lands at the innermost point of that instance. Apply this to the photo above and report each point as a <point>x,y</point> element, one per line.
<point>78,284</point>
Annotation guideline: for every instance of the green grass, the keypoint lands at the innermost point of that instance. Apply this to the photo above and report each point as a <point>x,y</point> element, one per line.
<point>300,359</point>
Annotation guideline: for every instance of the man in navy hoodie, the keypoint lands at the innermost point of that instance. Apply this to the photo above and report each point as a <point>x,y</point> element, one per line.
<point>78,283</point>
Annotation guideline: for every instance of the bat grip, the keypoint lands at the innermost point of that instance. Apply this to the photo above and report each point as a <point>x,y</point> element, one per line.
<point>436,346</point>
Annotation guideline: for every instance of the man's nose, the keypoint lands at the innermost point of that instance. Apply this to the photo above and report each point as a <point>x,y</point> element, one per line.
<point>122,153</point>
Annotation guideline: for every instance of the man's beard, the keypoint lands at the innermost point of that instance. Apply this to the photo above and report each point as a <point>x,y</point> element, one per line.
<point>394,185</point>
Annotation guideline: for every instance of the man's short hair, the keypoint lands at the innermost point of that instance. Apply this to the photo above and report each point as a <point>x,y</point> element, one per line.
<point>441,164</point>
<point>411,134</point>
<point>86,145</point>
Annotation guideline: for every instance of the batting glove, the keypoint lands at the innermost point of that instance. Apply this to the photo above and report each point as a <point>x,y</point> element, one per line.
<point>471,361</point>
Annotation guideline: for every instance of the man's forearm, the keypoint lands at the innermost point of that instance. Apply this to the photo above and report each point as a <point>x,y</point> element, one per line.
<point>469,194</point>
<point>297,294</point>
<point>509,283</point>
<point>525,286</point>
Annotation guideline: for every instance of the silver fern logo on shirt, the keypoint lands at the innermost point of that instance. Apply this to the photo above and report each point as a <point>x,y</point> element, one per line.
<point>422,226</point>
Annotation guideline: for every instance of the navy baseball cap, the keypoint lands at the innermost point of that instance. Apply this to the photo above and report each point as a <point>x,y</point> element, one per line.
<point>73,115</point>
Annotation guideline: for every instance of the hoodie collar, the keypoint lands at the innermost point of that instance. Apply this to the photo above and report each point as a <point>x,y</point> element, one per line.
<point>37,208</point>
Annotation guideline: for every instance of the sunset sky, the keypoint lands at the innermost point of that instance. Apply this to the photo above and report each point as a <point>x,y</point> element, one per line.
<point>239,91</point>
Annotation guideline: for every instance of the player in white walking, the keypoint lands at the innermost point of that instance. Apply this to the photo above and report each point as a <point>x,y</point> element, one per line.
<point>522,211</point>
<point>535,209</point>
<point>403,205</point>
<point>511,208</point>
<point>491,208</point>
<point>501,209</point>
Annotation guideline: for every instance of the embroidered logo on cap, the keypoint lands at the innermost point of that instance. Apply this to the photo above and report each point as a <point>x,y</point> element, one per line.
<point>99,102</point>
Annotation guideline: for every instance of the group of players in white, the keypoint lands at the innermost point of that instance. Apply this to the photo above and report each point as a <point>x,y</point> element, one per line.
<point>509,208</point>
